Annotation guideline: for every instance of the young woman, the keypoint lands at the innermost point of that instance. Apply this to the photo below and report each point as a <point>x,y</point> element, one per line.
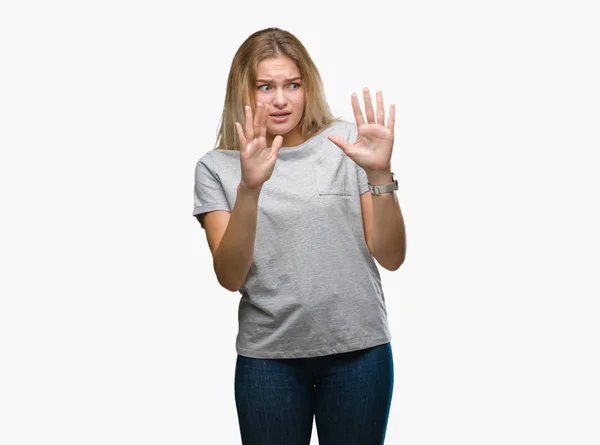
<point>282,198</point>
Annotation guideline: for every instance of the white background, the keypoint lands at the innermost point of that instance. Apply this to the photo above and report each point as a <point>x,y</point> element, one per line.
<point>113,328</point>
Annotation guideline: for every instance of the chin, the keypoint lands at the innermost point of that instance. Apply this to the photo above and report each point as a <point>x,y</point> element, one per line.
<point>280,130</point>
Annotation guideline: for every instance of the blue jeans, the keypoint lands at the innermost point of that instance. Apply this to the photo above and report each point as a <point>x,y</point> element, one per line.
<point>349,395</point>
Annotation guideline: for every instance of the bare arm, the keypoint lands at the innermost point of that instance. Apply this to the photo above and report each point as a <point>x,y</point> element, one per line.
<point>231,238</point>
<point>233,252</point>
<point>385,232</point>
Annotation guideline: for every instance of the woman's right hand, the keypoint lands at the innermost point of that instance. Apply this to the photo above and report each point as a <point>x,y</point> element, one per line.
<point>257,161</point>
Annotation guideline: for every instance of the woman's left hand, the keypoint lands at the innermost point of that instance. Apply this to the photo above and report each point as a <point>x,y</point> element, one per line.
<point>373,147</point>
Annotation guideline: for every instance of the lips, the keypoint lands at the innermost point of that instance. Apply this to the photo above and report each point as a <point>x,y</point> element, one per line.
<point>280,114</point>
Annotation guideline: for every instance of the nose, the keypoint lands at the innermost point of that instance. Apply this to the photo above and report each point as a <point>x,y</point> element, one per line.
<point>279,100</point>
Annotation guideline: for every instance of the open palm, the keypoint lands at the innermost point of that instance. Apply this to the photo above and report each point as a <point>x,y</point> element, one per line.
<point>373,147</point>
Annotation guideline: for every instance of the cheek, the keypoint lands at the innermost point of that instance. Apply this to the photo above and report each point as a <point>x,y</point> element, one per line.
<point>299,102</point>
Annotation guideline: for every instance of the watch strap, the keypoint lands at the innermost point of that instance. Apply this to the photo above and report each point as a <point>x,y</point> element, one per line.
<point>385,188</point>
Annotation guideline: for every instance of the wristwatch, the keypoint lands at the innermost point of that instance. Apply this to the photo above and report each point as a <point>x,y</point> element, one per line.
<point>385,188</point>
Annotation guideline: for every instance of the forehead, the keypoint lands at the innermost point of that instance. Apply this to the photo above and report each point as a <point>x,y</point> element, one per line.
<point>277,67</point>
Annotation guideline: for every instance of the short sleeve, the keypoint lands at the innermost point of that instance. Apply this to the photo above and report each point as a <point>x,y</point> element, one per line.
<point>363,182</point>
<point>208,190</point>
<point>363,185</point>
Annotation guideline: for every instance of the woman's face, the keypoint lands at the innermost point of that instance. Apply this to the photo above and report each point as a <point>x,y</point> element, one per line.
<point>278,83</point>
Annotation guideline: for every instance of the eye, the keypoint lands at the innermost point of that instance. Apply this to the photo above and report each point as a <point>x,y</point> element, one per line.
<point>297,86</point>
<point>260,87</point>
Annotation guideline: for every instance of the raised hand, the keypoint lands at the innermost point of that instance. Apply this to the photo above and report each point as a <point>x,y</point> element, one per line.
<point>373,147</point>
<point>257,160</point>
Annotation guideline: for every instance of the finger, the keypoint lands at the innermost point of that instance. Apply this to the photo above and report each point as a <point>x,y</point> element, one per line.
<point>241,136</point>
<point>263,124</point>
<point>340,143</point>
<point>358,116</point>
<point>257,119</point>
<point>380,109</point>
<point>368,106</point>
<point>276,145</point>
<point>391,118</point>
<point>249,130</point>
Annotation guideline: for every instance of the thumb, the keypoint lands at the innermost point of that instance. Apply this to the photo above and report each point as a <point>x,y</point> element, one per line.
<point>276,145</point>
<point>340,143</point>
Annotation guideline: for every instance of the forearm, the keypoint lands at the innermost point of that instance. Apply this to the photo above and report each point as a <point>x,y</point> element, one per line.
<point>234,255</point>
<point>388,234</point>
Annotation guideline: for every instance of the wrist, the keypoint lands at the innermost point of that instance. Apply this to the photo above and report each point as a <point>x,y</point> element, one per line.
<point>379,177</point>
<point>241,188</point>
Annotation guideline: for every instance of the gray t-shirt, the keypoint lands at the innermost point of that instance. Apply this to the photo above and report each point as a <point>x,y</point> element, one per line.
<point>313,287</point>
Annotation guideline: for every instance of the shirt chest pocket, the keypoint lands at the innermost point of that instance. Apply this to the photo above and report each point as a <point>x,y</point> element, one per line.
<point>332,177</point>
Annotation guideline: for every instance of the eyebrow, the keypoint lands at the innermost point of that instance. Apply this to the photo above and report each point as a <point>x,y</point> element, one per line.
<point>270,80</point>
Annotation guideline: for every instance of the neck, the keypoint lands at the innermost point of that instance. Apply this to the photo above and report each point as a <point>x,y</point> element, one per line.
<point>290,139</point>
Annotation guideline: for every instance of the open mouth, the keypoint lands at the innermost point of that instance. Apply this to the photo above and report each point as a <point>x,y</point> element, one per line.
<point>280,118</point>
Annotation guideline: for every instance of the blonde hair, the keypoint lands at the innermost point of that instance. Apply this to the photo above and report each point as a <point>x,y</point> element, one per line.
<point>265,44</point>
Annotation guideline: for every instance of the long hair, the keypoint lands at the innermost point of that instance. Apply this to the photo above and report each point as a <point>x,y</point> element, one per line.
<point>265,44</point>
